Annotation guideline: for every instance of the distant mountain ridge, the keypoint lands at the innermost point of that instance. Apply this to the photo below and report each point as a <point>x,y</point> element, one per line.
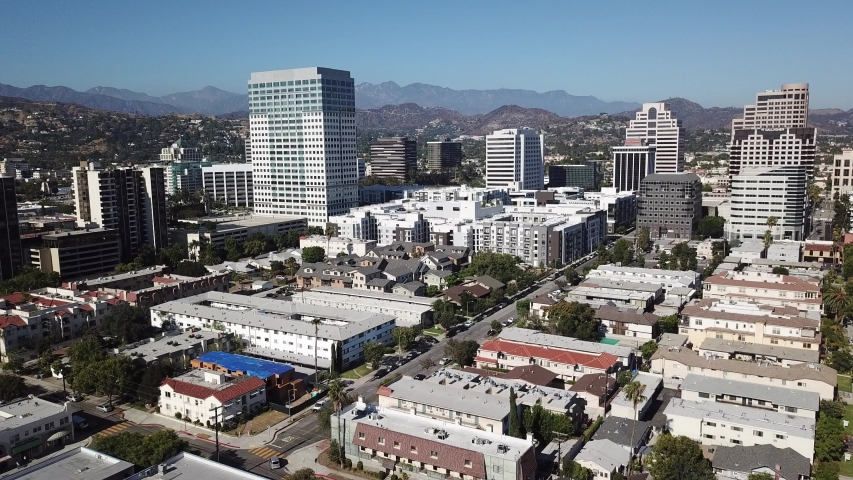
<point>473,102</point>
<point>42,93</point>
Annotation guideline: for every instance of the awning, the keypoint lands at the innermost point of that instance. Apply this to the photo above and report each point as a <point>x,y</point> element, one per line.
<point>5,459</point>
<point>26,446</point>
<point>57,435</point>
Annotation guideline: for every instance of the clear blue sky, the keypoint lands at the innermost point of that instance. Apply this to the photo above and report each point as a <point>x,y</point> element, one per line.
<point>718,53</point>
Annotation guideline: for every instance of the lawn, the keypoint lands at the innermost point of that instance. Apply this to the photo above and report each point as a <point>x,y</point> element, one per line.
<point>266,419</point>
<point>844,384</point>
<point>357,372</point>
<point>434,331</point>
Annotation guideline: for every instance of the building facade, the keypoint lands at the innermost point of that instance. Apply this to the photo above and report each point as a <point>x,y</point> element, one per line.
<point>291,113</point>
<point>670,204</point>
<point>767,288</point>
<point>79,253</point>
<point>774,109</point>
<point>587,176</point>
<point>842,178</point>
<point>229,183</point>
<point>631,164</point>
<point>655,125</point>
<point>444,155</point>
<point>29,426</point>
<point>394,157</point>
<point>11,253</point>
<point>514,159</point>
<point>182,167</point>
<point>210,396</point>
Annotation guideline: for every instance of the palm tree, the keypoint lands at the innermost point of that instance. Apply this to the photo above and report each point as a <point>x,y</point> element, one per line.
<point>771,222</point>
<point>338,396</point>
<point>316,323</point>
<point>193,246</point>
<point>634,393</point>
<point>836,300</point>
<point>836,240</point>
<point>815,194</point>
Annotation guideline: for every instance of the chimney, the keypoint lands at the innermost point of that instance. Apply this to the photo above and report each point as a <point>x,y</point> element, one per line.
<point>530,439</point>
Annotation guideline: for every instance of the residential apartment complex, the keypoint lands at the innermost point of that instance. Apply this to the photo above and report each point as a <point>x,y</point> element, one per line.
<point>291,113</point>
<point>842,178</point>
<point>515,159</point>
<point>444,155</point>
<point>229,183</point>
<point>700,388</point>
<point>670,204</point>
<point>765,288</point>
<point>655,125</point>
<point>394,157</point>
<point>278,329</point>
<point>183,168</point>
<point>129,200</point>
<point>197,394</point>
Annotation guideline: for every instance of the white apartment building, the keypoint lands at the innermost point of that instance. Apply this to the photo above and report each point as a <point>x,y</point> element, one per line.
<point>655,125</point>
<point>335,245</point>
<point>462,192</point>
<point>302,130</point>
<point>515,159</point>
<point>675,363</point>
<point>178,152</point>
<point>182,166</point>
<point>766,288</point>
<point>30,425</point>
<point>355,224</point>
<point>278,329</point>
<point>210,396</point>
<point>714,423</point>
<point>407,310</point>
<point>742,320</point>
<point>700,388</point>
<point>231,183</point>
<point>773,109</point>
<point>666,279</point>
<point>631,164</point>
<point>401,227</point>
<point>842,178</point>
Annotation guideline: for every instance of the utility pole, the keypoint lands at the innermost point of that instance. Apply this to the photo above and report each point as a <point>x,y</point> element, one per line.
<point>215,411</point>
<point>561,437</point>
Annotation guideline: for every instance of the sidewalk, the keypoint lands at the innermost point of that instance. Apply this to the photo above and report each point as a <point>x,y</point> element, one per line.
<point>238,443</point>
<point>304,458</point>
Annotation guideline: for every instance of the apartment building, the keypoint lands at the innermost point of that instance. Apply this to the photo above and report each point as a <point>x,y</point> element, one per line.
<point>624,408</point>
<point>11,253</point>
<point>656,125</point>
<point>621,207</point>
<point>336,245</point>
<point>175,348</point>
<point>757,352</point>
<point>724,424</point>
<point>241,228</point>
<point>666,279</point>
<point>30,426</point>
<point>444,155</point>
<point>281,385</point>
<point>459,193</point>
<point>183,168</point>
<point>670,204</point>
<point>229,183</point>
<point>27,318</point>
<point>700,388</point>
<point>280,330</point>
<point>567,357</point>
<point>728,319</point>
<point>384,439</point>
<point>132,201</point>
<point>408,310</point>
<point>628,321</point>
<point>595,390</point>
<point>631,164</point>
<point>355,224</point>
<point>604,458</point>
<point>394,157</point>
<point>586,176</point>
<point>196,395</point>
<point>675,363</point>
<point>319,105</point>
<point>515,159</point>
<point>79,253</point>
<point>766,288</point>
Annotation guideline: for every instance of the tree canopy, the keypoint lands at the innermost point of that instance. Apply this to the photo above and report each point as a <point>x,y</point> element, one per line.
<point>462,352</point>
<point>190,269</point>
<point>313,254</point>
<point>829,439</point>
<point>11,387</point>
<point>373,353</point>
<point>127,323</point>
<point>668,324</point>
<point>573,319</point>
<point>678,458</point>
<point>623,252</point>
<point>501,266</point>
<point>142,450</point>
<point>712,227</point>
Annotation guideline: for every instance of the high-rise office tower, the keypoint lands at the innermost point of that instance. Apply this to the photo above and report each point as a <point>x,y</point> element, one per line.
<point>631,164</point>
<point>303,144</point>
<point>586,176</point>
<point>772,154</point>
<point>394,157</point>
<point>230,183</point>
<point>11,254</point>
<point>443,154</point>
<point>670,204</point>
<point>182,166</point>
<point>515,159</point>
<point>130,200</point>
<point>655,125</point>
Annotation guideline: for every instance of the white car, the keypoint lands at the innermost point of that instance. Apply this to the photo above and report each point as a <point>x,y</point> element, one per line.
<point>320,404</point>
<point>444,361</point>
<point>469,323</point>
<point>280,277</point>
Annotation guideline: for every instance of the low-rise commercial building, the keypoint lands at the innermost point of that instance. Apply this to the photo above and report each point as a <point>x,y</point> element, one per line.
<point>766,288</point>
<point>78,253</point>
<point>30,426</point>
<point>674,364</point>
<point>700,388</point>
<point>385,439</point>
<point>80,463</point>
<point>281,385</point>
<point>726,424</point>
<point>242,227</point>
<point>278,329</point>
<point>196,395</point>
<point>230,183</point>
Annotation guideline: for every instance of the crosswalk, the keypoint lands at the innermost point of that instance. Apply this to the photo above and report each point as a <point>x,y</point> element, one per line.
<point>264,452</point>
<point>113,430</point>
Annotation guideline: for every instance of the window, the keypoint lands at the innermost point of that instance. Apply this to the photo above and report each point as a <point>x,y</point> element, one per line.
<point>758,433</point>
<point>496,468</point>
<point>791,409</point>
<point>361,435</point>
<point>468,464</point>
<point>704,395</point>
<point>413,449</point>
<point>711,424</point>
<point>381,441</point>
<point>397,445</point>
<point>736,442</point>
<point>433,454</point>
<point>737,429</point>
<point>801,384</point>
<point>779,436</point>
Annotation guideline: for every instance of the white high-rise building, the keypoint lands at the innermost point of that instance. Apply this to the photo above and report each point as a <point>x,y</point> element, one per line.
<point>785,108</point>
<point>230,182</point>
<point>303,144</point>
<point>515,159</point>
<point>656,126</point>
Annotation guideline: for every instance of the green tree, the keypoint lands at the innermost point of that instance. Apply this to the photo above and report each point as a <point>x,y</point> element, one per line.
<point>339,398</point>
<point>496,325</point>
<point>826,471</point>
<point>668,324</point>
<point>522,307</point>
<point>501,266</point>
<point>210,254</point>
<point>233,252</point>
<point>127,323</point>
<point>313,254</point>
<point>623,253</point>
<point>648,349</point>
<point>301,474</point>
<point>514,424</point>
<point>12,366</point>
<point>678,458</point>
<point>444,313</point>
<point>829,439</point>
<point>847,265</point>
<point>633,392</point>
<point>573,470</point>
<point>624,378</point>
<point>142,450</point>
<point>256,245</point>
<point>712,227</point>
<point>113,376</point>
<point>836,301</point>
<point>404,336</point>
<point>462,352</point>
<point>573,319</point>
<point>760,476</point>
<point>190,269</point>
<point>11,387</point>
<point>841,360</point>
<point>833,408</point>
<point>373,353</point>
<point>780,271</point>
<point>643,239</point>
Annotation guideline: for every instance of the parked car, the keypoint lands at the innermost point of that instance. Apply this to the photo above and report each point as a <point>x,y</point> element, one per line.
<point>275,462</point>
<point>106,408</point>
<point>444,361</point>
<point>468,324</point>
<point>280,277</point>
<point>74,397</point>
<point>419,376</point>
<point>320,404</point>
<point>79,422</point>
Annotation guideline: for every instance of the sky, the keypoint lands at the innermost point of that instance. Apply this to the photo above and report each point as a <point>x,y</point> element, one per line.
<point>717,53</point>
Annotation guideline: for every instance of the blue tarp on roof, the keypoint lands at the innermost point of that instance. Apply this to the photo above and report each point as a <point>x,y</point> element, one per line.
<point>250,365</point>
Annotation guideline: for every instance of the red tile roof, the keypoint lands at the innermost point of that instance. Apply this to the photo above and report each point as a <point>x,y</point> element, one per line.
<point>602,361</point>
<point>241,386</point>
<point>384,390</point>
<point>787,283</point>
<point>87,307</point>
<point>164,280</point>
<point>819,247</point>
<point>49,302</point>
<point>449,457</point>
<point>114,301</point>
<point>10,320</point>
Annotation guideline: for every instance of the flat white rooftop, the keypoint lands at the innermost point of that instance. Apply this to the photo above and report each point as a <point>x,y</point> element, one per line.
<point>536,337</point>
<point>80,463</point>
<point>802,427</point>
<point>189,466</point>
<point>25,411</point>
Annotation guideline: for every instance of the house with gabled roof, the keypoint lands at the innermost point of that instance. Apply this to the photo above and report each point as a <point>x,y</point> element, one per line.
<point>195,394</point>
